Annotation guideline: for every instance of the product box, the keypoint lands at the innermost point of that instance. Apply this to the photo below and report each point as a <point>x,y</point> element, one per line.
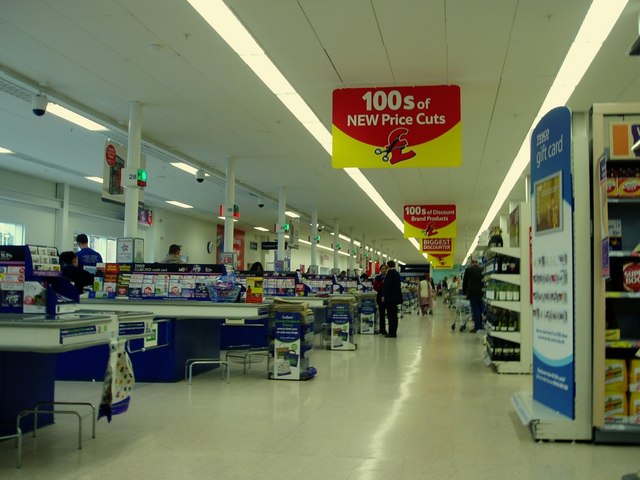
<point>611,334</point>
<point>629,187</point>
<point>615,406</point>
<point>615,234</point>
<point>615,375</point>
<point>612,187</point>
<point>634,372</point>
<point>631,276</point>
<point>35,297</point>
<point>634,408</point>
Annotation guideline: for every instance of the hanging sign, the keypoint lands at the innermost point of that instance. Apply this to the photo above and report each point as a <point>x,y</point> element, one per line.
<point>429,221</point>
<point>397,127</point>
<point>441,260</point>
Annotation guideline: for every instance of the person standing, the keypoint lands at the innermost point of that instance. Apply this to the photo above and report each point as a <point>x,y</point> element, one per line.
<point>392,297</point>
<point>378,284</point>
<point>87,257</point>
<point>70,270</point>
<point>174,255</point>
<point>425,295</point>
<point>472,289</point>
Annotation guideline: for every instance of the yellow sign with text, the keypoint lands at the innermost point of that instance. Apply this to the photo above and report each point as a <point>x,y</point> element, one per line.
<point>397,127</point>
<point>441,260</point>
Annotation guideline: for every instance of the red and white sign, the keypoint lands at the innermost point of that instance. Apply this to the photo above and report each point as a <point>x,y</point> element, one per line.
<point>631,276</point>
<point>429,221</point>
<point>438,244</point>
<point>397,127</point>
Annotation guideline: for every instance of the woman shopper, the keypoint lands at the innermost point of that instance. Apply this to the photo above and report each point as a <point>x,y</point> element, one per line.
<point>425,295</point>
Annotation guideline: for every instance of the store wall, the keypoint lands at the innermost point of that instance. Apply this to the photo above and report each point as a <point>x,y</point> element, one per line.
<point>33,202</point>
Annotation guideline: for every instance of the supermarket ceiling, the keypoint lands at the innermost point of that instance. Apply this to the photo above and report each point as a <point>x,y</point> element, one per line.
<point>202,104</point>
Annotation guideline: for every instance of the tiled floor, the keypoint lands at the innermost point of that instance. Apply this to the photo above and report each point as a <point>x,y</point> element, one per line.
<point>421,406</point>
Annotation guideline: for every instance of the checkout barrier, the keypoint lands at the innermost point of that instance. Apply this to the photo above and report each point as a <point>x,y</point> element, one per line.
<point>28,345</point>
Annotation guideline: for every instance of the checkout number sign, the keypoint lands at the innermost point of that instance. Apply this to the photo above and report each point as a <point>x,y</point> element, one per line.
<point>397,127</point>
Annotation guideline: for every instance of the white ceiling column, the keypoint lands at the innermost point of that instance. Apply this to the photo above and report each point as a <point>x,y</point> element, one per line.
<point>313,235</point>
<point>336,239</point>
<point>63,236</point>
<point>132,194</point>
<point>282,207</point>
<point>229,202</point>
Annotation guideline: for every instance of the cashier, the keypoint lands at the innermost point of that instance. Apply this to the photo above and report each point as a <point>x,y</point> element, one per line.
<point>174,255</point>
<point>72,272</point>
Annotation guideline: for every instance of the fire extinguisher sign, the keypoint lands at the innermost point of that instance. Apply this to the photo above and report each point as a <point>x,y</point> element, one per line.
<point>397,127</point>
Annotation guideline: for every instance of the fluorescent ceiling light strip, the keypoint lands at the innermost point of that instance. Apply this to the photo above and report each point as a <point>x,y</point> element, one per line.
<point>305,242</point>
<point>262,229</point>
<point>178,204</point>
<point>226,24</point>
<point>291,214</point>
<point>269,74</point>
<point>364,184</point>
<point>596,27</point>
<point>5,150</point>
<point>75,118</point>
<point>298,107</point>
<point>186,168</point>
<point>344,237</point>
<point>325,248</point>
<point>340,252</point>
<point>95,179</point>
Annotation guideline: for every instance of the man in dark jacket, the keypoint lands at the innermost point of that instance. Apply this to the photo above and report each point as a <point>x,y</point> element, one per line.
<point>392,297</point>
<point>378,284</point>
<point>472,289</point>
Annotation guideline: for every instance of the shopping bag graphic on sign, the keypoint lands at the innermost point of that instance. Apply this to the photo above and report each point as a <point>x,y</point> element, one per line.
<point>118,383</point>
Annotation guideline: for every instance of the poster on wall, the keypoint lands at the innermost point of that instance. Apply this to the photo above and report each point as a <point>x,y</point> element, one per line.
<point>114,162</point>
<point>238,246</point>
<point>552,262</point>
<point>397,127</point>
<point>429,221</point>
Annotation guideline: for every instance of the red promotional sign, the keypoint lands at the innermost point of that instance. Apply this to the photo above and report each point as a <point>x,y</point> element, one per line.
<point>437,244</point>
<point>397,126</point>
<point>429,221</point>
<point>110,155</point>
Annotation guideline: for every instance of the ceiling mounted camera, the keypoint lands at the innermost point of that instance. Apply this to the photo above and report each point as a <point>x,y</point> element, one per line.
<point>39,104</point>
<point>260,202</point>
<point>200,176</point>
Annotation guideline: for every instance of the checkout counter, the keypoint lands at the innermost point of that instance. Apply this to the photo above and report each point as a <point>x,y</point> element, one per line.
<point>31,343</point>
<point>182,330</point>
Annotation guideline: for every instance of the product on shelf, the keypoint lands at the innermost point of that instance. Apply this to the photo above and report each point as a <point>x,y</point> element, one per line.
<point>615,374</point>
<point>615,406</point>
<point>631,276</point>
<point>615,234</point>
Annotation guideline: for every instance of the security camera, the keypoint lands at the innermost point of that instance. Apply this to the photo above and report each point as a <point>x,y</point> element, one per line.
<point>319,229</point>
<point>260,202</point>
<point>200,176</point>
<point>39,104</point>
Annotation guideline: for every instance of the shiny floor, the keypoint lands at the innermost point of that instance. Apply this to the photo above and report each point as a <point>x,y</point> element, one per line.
<point>420,406</point>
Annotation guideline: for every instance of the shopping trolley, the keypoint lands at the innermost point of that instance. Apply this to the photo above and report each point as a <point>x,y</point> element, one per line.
<point>463,312</point>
